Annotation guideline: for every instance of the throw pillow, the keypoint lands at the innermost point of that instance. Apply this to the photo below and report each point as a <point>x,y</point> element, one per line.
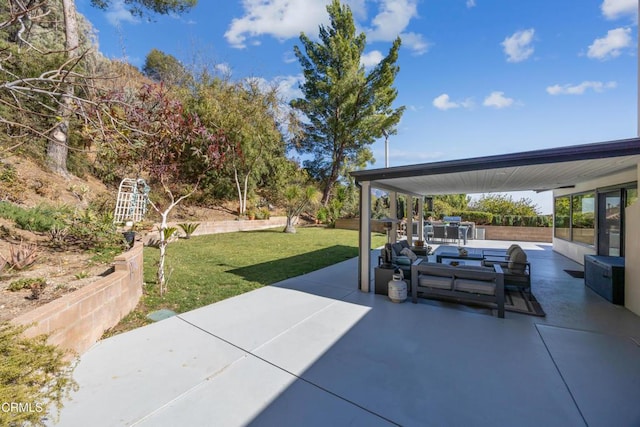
<point>397,249</point>
<point>512,248</point>
<point>517,261</point>
<point>409,253</point>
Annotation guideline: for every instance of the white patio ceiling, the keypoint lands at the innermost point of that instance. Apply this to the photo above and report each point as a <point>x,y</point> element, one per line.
<point>538,170</point>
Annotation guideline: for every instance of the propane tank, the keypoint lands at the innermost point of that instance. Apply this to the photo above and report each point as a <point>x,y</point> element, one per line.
<point>397,287</point>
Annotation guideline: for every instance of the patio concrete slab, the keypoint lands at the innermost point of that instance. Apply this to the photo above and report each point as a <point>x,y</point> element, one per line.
<point>417,364</point>
<point>124,378</point>
<point>254,318</point>
<point>314,350</point>
<point>254,392</point>
<point>612,363</point>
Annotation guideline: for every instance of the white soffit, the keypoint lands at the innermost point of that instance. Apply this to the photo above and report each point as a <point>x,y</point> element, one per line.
<point>539,170</point>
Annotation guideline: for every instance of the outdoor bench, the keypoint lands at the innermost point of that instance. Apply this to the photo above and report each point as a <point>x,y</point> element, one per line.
<point>461,283</point>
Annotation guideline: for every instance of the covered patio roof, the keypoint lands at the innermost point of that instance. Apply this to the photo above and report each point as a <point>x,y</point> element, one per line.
<point>538,170</point>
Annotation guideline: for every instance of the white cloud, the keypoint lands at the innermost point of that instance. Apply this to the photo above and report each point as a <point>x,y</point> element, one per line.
<point>611,45</point>
<point>392,20</point>
<point>613,9</point>
<point>289,86</point>
<point>371,59</point>
<point>569,89</point>
<point>471,3</point>
<point>289,57</point>
<point>282,19</point>
<point>415,42</point>
<point>518,47</point>
<point>223,69</point>
<point>497,100</point>
<point>444,102</point>
<point>118,13</point>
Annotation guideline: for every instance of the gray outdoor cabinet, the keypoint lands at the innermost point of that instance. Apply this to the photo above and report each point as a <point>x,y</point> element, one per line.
<point>605,275</point>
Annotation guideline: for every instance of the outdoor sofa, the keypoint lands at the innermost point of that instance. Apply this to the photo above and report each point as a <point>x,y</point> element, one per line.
<point>460,283</point>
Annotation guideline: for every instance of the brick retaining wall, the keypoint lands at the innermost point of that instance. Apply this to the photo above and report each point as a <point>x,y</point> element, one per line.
<point>77,320</point>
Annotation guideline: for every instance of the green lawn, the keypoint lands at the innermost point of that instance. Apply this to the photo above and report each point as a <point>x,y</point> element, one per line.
<point>206,269</point>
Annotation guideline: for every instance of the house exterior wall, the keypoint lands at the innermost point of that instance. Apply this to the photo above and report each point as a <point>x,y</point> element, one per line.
<point>576,251</point>
<point>632,256</point>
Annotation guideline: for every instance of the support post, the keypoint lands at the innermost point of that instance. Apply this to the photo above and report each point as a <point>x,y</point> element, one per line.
<point>393,214</point>
<point>421,218</point>
<point>364,260</point>
<point>409,209</point>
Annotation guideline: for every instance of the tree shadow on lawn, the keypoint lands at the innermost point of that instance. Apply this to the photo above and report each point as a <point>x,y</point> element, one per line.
<point>271,272</point>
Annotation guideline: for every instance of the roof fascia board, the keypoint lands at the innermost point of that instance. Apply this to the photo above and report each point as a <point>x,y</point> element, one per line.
<point>620,148</point>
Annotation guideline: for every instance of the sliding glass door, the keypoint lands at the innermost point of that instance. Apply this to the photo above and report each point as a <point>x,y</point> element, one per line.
<point>610,223</point>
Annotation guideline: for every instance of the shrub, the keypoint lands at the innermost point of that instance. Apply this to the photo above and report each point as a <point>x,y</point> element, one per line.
<point>522,221</point>
<point>322,214</point>
<point>169,232</point>
<point>32,372</point>
<point>25,283</point>
<point>10,211</point>
<point>91,231</point>
<point>480,218</point>
<point>9,187</point>
<point>189,228</point>
<point>263,213</point>
<point>41,218</point>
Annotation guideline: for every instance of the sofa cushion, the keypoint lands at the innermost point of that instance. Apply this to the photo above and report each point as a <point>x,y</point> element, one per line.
<point>436,282</point>
<point>513,277</point>
<point>481,287</point>
<point>474,273</point>
<point>517,261</point>
<point>402,260</point>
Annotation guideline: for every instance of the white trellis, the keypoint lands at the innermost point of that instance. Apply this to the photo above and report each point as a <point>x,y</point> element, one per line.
<point>132,201</point>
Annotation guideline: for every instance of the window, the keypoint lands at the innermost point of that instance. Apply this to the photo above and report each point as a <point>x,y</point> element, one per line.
<point>583,214</point>
<point>562,208</point>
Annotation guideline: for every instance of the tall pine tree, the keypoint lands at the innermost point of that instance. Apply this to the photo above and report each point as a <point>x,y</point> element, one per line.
<point>346,107</point>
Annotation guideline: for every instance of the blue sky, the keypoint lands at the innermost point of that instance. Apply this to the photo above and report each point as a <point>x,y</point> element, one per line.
<point>478,77</point>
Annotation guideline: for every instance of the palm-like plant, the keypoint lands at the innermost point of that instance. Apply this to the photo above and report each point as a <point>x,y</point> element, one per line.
<point>296,200</point>
<point>189,228</point>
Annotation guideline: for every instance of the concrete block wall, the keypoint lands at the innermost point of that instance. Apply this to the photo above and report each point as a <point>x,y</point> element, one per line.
<point>77,320</point>
<point>215,227</point>
<point>354,224</point>
<point>522,234</point>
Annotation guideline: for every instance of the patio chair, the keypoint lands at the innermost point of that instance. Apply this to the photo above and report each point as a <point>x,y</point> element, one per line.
<point>453,233</point>
<point>439,232</point>
<point>516,268</point>
<point>428,232</point>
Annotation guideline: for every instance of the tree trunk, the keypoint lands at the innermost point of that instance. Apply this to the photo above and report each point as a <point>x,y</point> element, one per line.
<point>331,180</point>
<point>326,192</point>
<point>57,147</point>
<point>242,207</point>
<point>290,227</point>
<point>163,252</point>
